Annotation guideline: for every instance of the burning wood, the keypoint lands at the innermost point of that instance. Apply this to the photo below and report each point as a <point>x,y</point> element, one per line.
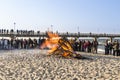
<point>59,46</point>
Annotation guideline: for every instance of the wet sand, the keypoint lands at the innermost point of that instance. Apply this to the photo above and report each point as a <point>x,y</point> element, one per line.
<point>36,65</point>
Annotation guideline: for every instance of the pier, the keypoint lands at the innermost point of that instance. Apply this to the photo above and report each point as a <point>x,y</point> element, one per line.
<point>32,33</point>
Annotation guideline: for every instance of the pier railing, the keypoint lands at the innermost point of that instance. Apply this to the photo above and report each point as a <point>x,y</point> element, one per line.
<point>43,34</point>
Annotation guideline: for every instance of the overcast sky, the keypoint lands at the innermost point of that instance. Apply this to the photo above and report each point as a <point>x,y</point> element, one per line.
<point>101,16</point>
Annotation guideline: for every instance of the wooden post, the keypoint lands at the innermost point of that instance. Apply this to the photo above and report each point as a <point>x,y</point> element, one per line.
<point>95,38</point>
<point>111,39</point>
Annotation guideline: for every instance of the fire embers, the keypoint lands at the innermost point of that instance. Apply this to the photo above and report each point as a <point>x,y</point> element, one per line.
<point>58,45</point>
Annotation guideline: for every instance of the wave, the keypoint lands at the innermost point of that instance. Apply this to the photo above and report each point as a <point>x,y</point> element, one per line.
<point>101,50</point>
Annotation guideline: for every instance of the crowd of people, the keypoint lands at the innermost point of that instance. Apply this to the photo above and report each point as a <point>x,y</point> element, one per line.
<point>78,45</point>
<point>112,48</point>
<point>6,44</point>
<point>6,31</point>
<point>86,46</point>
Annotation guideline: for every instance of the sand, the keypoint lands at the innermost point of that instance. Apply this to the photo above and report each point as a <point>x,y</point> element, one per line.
<point>36,65</point>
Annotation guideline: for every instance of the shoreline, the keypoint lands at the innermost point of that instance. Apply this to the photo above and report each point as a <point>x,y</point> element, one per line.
<point>2,52</point>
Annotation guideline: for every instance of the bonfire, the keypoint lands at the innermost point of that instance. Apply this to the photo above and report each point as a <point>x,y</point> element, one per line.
<point>59,46</point>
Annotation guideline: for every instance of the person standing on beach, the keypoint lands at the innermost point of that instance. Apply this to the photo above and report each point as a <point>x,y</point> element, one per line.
<point>106,47</point>
<point>110,47</point>
<point>116,48</point>
<point>94,46</point>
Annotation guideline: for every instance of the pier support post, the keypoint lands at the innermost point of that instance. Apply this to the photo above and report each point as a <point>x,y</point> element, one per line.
<point>95,38</point>
<point>111,39</point>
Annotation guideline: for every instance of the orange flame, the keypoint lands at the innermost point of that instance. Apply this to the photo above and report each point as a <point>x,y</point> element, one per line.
<point>58,45</point>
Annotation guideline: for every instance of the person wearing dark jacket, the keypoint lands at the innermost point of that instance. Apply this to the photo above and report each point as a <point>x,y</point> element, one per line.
<point>106,47</point>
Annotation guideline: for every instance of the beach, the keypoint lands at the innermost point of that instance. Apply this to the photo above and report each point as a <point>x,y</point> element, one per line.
<point>34,64</point>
